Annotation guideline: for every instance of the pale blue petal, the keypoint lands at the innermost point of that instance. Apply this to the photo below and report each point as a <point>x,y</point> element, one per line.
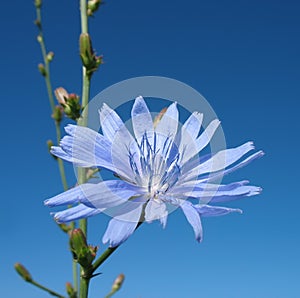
<point>206,210</point>
<point>123,143</point>
<point>163,221</point>
<point>155,210</point>
<point>219,161</point>
<point>74,213</point>
<point>199,185</point>
<point>105,194</point>
<point>193,218</point>
<point>191,127</point>
<point>226,197</point>
<point>166,128</point>
<point>194,147</point>
<point>88,146</point>
<point>141,120</point>
<point>241,164</point>
<point>222,195</point>
<point>69,197</point>
<point>110,122</point>
<point>118,231</point>
<point>188,136</point>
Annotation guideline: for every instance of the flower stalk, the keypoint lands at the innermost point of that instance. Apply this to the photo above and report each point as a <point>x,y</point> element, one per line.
<point>24,273</point>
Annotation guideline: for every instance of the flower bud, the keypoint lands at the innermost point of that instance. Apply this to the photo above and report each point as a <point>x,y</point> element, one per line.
<point>70,290</point>
<point>86,50</point>
<point>69,102</point>
<point>57,114</point>
<point>38,24</point>
<point>118,283</point>
<point>82,253</point>
<point>38,3</point>
<point>23,272</point>
<point>42,69</point>
<point>50,56</point>
<point>61,95</point>
<point>39,38</point>
<point>89,60</point>
<point>92,6</point>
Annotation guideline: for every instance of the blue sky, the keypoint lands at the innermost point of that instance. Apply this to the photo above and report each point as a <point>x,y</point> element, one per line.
<point>243,56</point>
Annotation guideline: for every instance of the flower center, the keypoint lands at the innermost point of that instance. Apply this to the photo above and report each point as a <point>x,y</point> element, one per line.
<point>155,167</point>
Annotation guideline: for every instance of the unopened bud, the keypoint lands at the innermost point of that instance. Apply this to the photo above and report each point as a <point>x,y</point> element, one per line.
<point>93,6</point>
<point>86,50</point>
<point>39,38</point>
<point>38,23</point>
<point>57,114</point>
<point>38,3</point>
<point>50,56</point>
<point>69,102</point>
<point>42,69</point>
<point>23,272</point>
<point>70,290</point>
<point>82,253</point>
<point>49,144</point>
<point>89,60</point>
<point>118,283</point>
<point>61,95</point>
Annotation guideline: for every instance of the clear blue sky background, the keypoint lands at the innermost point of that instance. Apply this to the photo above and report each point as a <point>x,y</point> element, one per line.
<point>243,56</point>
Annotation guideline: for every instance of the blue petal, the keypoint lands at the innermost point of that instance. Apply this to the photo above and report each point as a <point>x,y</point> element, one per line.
<point>192,126</point>
<point>123,144</point>
<point>105,194</point>
<point>167,126</point>
<point>155,210</point>
<point>193,218</point>
<point>188,135</point>
<point>206,210</point>
<point>141,120</point>
<point>118,231</point>
<point>86,147</point>
<point>199,185</point>
<point>74,213</point>
<point>245,162</point>
<point>110,122</point>
<point>219,161</point>
<point>194,147</point>
<point>222,194</point>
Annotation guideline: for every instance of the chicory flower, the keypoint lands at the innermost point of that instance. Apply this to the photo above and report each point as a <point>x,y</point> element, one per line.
<point>158,169</point>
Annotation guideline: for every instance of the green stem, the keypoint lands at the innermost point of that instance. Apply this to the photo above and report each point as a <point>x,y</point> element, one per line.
<point>60,162</point>
<point>86,78</point>
<point>84,287</point>
<point>46,289</point>
<point>57,125</point>
<point>46,62</point>
<point>83,16</point>
<point>103,257</point>
<point>50,92</point>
